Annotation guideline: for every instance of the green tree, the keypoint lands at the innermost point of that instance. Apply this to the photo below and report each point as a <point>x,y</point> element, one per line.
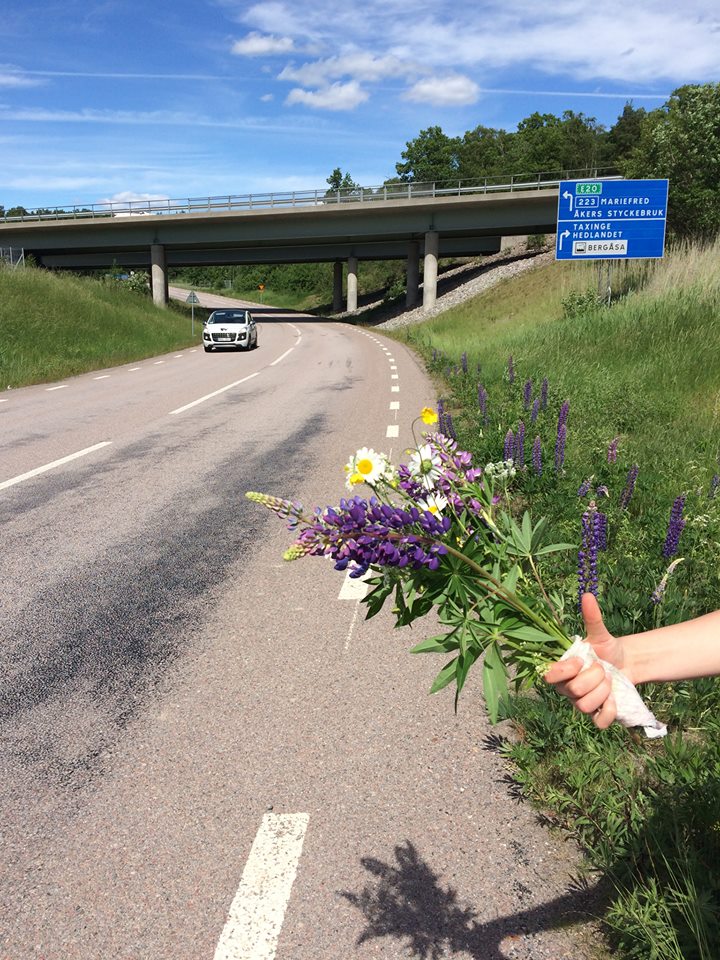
<point>342,183</point>
<point>681,141</point>
<point>432,157</point>
<point>485,152</point>
<point>624,136</point>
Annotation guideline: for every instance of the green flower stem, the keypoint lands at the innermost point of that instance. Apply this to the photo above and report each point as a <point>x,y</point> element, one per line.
<point>512,598</point>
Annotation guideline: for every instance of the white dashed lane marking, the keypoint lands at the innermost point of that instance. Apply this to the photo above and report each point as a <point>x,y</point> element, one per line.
<point>394,404</point>
<point>394,376</point>
<point>215,393</point>
<point>105,376</point>
<point>258,910</point>
<point>395,389</point>
<point>393,430</point>
<point>51,466</point>
<point>61,387</point>
<point>134,368</point>
<point>159,361</point>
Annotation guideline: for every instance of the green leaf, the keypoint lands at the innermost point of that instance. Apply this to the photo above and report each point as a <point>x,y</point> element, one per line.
<point>443,643</point>
<point>446,676</point>
<point>554,548</point>
<point>464,662</point>
<point>495,685</point>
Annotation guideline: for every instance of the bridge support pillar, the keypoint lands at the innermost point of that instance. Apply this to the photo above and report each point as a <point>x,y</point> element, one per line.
<point>352,284</point>
<point>158,275</point>
<point>337,286</point>
<point>430,269</point>
<point>412,274</point>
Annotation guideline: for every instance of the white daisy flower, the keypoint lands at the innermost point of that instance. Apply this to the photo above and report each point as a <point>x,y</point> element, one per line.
<point>434,502</point>
<point>366,466</point>
<point>425,464</point>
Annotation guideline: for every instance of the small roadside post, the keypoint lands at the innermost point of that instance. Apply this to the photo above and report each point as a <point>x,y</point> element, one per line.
<point>261,288</point>
<point>192,299</point>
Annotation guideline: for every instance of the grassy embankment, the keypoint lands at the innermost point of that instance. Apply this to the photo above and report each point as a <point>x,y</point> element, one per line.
<point>644,370</point>
<point>54,326</point>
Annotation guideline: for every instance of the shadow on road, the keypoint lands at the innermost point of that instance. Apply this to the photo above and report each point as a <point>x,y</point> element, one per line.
<point>405,900</point>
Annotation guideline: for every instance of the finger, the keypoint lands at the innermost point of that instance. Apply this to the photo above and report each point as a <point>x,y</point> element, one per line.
<point>605,715</point>
<point>586,681</point>
<point>563,670</point>
<point>595,698</point>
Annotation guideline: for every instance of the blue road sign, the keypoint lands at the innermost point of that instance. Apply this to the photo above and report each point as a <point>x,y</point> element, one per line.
<point>611,219</point>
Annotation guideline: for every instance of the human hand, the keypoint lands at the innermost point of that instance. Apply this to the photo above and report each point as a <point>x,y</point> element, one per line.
<point>589,689</point>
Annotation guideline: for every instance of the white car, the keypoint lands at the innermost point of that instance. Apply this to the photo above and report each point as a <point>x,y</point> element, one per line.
<point>233,329</point>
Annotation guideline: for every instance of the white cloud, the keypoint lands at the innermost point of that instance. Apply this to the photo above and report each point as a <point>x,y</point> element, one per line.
<point>336,96</point>
<point>10,77</point>
<point>267,97</point>
<point>452,90</point>
<point>258,45</point>
<point>357,64</point>
<point>129,196</point>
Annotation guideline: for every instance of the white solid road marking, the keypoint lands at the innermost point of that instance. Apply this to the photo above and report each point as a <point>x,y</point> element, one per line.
<point>394,404</point>
<point>258,910</point>
<point>105,376</point>
<point>55,463</point>
<point>393,430</point>
<point>61,387</point>
<point>354,588</point>
<point>395,389</point>
<point>282,357</point>
<point>215,393</point>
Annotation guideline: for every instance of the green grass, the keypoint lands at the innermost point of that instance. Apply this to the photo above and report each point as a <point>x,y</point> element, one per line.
<point>643,369</point>
<point>54,326</point>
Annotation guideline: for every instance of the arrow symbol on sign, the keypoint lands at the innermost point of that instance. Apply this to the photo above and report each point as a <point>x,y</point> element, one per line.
<point>565,233</point>
<point>566,193</point>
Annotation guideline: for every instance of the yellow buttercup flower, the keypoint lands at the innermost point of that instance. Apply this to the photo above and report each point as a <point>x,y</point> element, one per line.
<point>428,415</point>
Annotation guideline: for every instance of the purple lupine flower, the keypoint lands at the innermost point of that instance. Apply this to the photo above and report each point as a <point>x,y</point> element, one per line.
<point>626,495</point>
<point>519,446</point>
<point>527,393</point>
<point>587,554</point>
<point>482,401</point>
<point>449,427</point>
<point>612,450</point>
<point>464,362</point>
<point>659,592</point>
<point>675,527</point>
<point>560,446</point>
<point>602,491</point>
<point>714,484</point>
<point>366,532</point>
<point>563,415</point>
<point>509,447</point>
<point>584,487</point>
<point>535,410</point>
<point>537,456</point>
<point>544,394</point>
<point>511,369</point>
<point>602,524</point>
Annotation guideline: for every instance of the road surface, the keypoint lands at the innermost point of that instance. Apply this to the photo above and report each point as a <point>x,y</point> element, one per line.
<point>207,752</point>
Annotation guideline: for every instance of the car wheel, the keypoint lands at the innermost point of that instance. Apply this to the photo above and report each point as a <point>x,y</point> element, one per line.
<point>207,349</point>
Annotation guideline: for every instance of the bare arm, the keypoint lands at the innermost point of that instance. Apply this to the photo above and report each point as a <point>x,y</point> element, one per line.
<point>681,651</point>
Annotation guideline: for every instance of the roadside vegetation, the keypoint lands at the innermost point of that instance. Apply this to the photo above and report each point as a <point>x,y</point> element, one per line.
<point>54,326</point>
<point>642,438</point>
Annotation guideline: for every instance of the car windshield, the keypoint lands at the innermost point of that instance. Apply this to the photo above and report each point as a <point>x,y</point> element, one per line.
<point>228,316</point>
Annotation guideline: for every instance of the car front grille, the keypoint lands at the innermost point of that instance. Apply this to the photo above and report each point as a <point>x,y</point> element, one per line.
<point>223,337</point>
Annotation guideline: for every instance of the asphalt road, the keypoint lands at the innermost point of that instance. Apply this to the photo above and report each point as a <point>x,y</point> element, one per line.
<point>173,693</point>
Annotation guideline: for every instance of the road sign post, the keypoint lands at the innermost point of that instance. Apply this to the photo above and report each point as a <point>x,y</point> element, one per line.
<point>192,300</point>
<point>611,219</point>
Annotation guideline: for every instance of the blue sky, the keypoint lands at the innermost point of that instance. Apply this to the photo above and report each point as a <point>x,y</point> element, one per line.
<point>123,99</point>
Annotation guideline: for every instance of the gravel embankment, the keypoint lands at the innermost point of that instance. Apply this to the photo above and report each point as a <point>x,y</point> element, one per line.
<point>454,287</point>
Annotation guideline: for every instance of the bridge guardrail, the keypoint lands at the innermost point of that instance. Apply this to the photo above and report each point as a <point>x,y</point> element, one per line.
<point>308,198</point>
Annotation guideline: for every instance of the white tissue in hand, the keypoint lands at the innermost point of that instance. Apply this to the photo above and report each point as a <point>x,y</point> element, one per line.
<point>631,711</point>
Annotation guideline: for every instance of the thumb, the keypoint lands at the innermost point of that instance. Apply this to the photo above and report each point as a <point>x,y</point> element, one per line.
<point>595,629</point>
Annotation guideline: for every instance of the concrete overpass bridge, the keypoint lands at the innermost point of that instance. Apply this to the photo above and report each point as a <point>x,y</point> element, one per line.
<point>397,221</point>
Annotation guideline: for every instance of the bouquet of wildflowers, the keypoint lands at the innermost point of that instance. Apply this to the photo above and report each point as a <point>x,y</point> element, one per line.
<point>437,532</point>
